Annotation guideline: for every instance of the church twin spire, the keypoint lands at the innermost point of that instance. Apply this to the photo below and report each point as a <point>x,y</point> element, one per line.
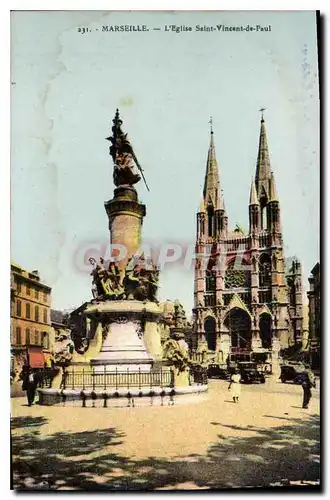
<point>212,195</point>
<point>263,189</point>
<point>264,178</point>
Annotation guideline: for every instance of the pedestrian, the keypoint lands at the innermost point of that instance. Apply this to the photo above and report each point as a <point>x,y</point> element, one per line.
<point>307,382</point>
<point>31,385</point>
<point>235,386</point>
<point>64,379</point>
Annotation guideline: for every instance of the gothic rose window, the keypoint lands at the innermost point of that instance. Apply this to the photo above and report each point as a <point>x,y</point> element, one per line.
<point>237,277</point>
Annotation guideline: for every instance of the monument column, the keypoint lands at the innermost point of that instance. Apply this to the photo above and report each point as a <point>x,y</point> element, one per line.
<point>125,304</point>
<point>125,215</point>
<point>124,211</point>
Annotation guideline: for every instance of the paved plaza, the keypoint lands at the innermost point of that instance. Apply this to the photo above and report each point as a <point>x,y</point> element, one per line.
<point>205,442</point>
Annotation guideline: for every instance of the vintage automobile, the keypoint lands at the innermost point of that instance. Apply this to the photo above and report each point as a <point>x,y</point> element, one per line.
<point>215,370</point>
<point>292,372</point>
<point>250,374</point>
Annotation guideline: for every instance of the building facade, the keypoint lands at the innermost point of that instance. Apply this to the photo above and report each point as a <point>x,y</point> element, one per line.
<point>30,316</point>
<point>314,305</point>
<point>243,300</point>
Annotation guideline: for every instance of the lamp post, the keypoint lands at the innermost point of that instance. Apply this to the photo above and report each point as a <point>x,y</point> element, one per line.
<point>275,341</point>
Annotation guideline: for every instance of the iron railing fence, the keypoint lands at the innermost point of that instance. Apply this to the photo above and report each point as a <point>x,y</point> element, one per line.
<point>86,379</point>
<point>44,378</point>
<point>103,380</point>
<point>199,374</point>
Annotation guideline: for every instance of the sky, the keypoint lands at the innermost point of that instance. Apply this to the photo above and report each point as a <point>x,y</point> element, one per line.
<point>66,87</point>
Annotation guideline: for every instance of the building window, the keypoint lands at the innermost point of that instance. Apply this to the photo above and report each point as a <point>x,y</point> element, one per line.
<point>36,314</point>
<point>28,289</point>
<point>263,218</point>
<point>265,297</point>
<point>27,336</point>
<point>210,214</point>
<point>45,297</point>
<point>28,311</point>
<point>227,298</point>
<point>292,295</point>
<point>210,281</point>
<point>18,308</point>
<point>19,287</point>
<point>265,274</point>
<point>36,337</point>
<point>246,298</point>
<point>45,315</point>
<point>45,340</point>
<point>209,300</point>
<point>18,335</point>
<point>36,294</point>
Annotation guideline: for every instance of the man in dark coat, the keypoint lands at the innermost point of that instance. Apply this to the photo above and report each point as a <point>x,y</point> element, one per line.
<point>307,382</point>
<point>31,386</point>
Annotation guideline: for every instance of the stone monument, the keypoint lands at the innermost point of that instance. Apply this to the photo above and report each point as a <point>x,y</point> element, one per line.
<point>123,356</point>
<point>125,291</point>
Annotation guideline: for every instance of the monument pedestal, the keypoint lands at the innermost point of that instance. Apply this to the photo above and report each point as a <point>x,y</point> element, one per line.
<point>123,346</point>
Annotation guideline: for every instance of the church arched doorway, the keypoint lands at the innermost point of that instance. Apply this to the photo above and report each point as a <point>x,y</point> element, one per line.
<point>210,333</point>
<point>265,327</point>
<point>238,323</point>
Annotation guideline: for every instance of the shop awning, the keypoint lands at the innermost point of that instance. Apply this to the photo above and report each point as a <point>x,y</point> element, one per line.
<point>36,357</point>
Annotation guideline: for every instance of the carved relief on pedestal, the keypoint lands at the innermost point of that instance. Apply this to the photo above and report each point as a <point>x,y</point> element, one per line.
<point>121,319</point>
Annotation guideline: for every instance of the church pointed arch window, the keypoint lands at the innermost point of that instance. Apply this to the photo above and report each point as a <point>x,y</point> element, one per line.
<point>263,209</point>
<point>265,271</point>
<point>292,295</point>
<point>210,221</point>
<point>210,281</point>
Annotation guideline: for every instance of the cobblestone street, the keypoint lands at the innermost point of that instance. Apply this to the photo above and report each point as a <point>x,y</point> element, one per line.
<point>207,442</point>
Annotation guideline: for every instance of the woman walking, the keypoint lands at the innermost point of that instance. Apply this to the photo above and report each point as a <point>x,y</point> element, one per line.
<point>235,386</point>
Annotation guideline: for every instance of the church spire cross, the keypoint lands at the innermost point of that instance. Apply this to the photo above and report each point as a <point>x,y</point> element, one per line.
<point>211,125</point>
<point>262,113</point>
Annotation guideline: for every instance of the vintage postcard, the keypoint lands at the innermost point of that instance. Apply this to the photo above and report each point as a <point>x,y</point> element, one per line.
<point>165,269</point>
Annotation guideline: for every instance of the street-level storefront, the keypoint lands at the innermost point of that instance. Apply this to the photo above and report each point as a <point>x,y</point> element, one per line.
<point>35,357</point>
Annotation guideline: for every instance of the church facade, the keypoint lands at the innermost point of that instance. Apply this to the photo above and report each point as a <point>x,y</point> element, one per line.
<point>244,298</point>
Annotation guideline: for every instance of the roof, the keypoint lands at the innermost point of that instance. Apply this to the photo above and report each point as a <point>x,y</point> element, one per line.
<point>236,233</point>
<point>29,276</point>
<point>13,264</point>
<point>56,316</point>
<point>79,309</point>
<point>316,269</point>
